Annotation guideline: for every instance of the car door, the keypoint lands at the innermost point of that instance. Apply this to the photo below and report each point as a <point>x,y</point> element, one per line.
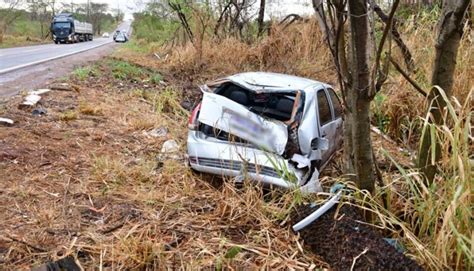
<point>337,118</point>
<point>327,125</point>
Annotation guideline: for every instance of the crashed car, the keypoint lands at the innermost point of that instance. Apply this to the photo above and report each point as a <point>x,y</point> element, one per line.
<point>276,129</point>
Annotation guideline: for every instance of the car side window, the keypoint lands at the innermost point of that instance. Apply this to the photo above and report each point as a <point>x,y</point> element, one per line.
<point>336,104</point>
<point>324,108</point>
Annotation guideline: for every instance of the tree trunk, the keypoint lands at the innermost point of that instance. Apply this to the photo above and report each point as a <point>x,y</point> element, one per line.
<point>261,15</point>
<point>1,32</point>
<point>361,142</point>
<point>449,36</point>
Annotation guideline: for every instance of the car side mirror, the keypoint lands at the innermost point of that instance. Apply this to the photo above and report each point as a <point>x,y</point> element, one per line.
<point>320,143</point>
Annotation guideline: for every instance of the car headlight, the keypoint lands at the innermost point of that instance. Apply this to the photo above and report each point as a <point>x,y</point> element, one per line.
<point>54,36</point>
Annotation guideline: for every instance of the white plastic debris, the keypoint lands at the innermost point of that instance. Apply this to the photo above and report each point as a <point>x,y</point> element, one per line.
<point>39,91</point>
<point>30,100</point>
<point>157,132</point>
<point>170,146</point>
<point>169,151</point>
<point>313,185</point>
<point>6,122</point>
<point>319,212</point>
<point>301,160</point>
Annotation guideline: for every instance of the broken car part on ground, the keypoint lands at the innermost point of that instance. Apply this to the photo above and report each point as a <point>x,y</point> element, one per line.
<point>276,129</point>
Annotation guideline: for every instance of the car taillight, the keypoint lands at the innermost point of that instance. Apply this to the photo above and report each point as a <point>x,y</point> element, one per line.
<point>193,123</point>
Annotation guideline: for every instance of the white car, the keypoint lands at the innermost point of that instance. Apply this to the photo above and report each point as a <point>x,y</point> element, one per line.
<point>276,129</point>
<point>121,37</point>
<point>105,35</point>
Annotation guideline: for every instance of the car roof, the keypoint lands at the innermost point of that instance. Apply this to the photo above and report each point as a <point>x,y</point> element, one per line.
<point>269,81</point>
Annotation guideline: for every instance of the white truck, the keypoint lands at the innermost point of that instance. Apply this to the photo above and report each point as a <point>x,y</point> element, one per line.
<point>66,29</point>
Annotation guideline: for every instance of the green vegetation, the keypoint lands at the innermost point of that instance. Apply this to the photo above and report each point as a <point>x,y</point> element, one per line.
<point>84,72</point>
<point>123,70</point>
<point>152,28</point>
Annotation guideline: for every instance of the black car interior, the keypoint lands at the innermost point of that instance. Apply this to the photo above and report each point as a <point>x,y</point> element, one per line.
<point>277,106</point>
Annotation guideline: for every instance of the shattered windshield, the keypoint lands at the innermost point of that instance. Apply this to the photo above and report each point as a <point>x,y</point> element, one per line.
<point>277,106</point>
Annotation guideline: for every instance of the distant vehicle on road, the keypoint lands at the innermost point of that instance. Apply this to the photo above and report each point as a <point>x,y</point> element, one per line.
<point>66,29</point>
<point>116,33</point>
<point>121,37</point>
<point>105,35</point>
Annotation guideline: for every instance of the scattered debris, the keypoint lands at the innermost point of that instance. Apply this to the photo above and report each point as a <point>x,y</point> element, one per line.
<point>157,132</point>
<point>30,100</point>
<point>161,58</point>
<point>170,146</point>
<point>396,244</point>
<point>319,212</point>
<point>6,122</point>
<point>64,87</point>
<point>67,263</point>
<point>39,91</point>
<point>39,112</point>
<point>169,150</point>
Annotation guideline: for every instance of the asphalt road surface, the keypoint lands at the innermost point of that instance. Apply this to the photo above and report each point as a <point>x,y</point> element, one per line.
<point>16,58</point>
<point>28,68</point>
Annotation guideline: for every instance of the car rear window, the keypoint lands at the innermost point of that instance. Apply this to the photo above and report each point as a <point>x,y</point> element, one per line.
<point>277,106</point>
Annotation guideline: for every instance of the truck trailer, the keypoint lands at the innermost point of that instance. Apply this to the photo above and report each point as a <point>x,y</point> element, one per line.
<point>66,29</point>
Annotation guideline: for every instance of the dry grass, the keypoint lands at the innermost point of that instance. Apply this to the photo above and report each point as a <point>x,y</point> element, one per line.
<point>298,50</point>
<point>15,41</point>
<point>91,187</point>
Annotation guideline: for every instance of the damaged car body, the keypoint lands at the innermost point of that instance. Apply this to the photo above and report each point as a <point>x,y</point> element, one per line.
<point>277,129</point>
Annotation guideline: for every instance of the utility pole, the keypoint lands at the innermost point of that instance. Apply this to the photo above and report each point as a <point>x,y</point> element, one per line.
<point>88,10</point>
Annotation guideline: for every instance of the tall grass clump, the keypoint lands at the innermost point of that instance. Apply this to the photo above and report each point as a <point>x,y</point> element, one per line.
<point>434,220</point>
<point>404,105</point>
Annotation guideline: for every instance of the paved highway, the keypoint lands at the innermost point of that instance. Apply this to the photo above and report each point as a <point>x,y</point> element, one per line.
<point>19,57</point>
<point>15,58</point>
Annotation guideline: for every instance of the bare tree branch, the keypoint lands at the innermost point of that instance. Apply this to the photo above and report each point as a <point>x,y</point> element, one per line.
<point>407,77</point>
<point>397,37</point>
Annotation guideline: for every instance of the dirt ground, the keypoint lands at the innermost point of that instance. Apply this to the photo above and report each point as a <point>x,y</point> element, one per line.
<point>345,242</point>
<point>87,179</point>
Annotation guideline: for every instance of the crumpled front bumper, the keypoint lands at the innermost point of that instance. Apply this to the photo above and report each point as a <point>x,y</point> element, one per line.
<point>211,155</point>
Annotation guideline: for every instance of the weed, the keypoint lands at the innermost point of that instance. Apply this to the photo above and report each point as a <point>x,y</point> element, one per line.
<point>68,115</point>
<point>167,101</point>
<point>156,78</point>
<point>89,109</point>
<point>83,73</point>
<point>123,70</point>
<point>378,114</point>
